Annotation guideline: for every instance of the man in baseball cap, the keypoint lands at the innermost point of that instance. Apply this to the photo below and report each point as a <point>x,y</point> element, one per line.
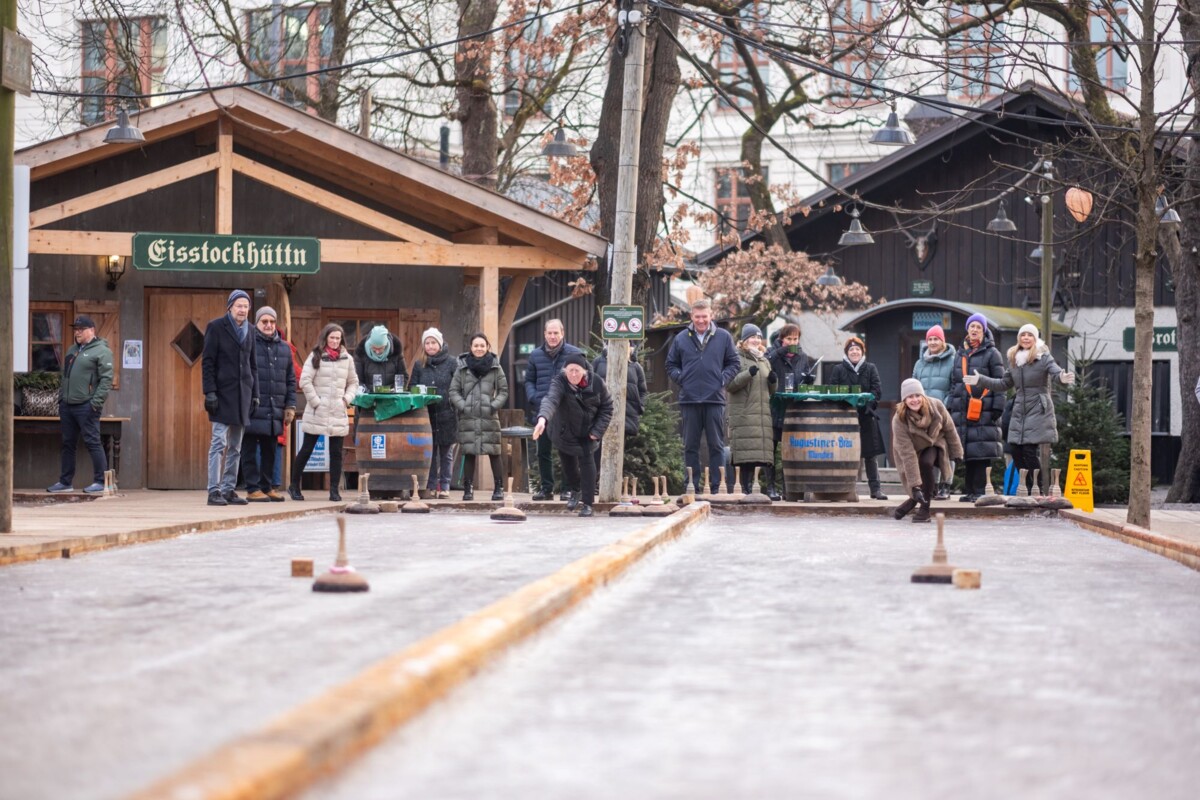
<point>86,380</point>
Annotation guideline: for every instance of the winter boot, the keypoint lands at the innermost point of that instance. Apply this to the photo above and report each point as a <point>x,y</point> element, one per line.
<point>498,491</point>
<point>468,495</point>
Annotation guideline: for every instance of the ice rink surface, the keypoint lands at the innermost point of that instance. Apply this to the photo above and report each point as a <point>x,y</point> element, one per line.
<point>793,658</point>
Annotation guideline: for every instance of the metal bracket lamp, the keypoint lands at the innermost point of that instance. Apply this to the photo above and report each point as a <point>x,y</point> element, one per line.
<point>1166,214</point>
<point>559,147</point>
<point>855,234</point>
<point>1001,223</point>
<point>289,282</point>
<point>829,278</point>
<point>114,268</point>
<point>892,133</point>
<point>123,132</point>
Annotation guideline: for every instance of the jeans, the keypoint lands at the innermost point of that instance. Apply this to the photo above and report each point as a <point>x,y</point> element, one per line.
<point>707,419</point>
<point>579,474</point>
<point>258,461</point>
<point>545,459</point>
<point>76,419</point>
<point>224,455</point>
<point>441,467</point>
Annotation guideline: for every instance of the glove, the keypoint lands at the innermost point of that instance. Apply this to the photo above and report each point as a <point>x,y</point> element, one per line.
<point>289,416</point>
<point>753,371</point>
<point>772,379</point>
<point>972,379</point>
<point>1067,377</point>
<point>97,408</point>
<point>918,495</point>
<point>210,402</point>
<point>808,379</point>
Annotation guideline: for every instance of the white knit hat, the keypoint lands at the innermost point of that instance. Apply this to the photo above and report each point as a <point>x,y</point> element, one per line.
<point>911,386</point>
<point>1029,327</point>
<point>433,333</point>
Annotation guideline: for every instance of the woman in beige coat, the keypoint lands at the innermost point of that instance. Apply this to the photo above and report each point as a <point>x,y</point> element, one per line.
<point>329,383</point>
<point>924,441</point>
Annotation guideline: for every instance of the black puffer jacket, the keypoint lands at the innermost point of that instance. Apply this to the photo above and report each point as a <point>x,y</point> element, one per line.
<point>276,385</point>
<point>576,413</point>
<point>635,390</point>
<point>867,378</point>
<point>388,369</point>
<point>981,440</point>
<point>436,372</point>
<point>799,366</point>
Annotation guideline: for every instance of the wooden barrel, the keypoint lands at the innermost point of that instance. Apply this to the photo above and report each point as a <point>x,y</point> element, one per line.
<point>821,450</point>
<point>395,449</point>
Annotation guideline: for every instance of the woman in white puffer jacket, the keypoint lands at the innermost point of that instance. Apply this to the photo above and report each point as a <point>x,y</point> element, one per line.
<point>329,383</point>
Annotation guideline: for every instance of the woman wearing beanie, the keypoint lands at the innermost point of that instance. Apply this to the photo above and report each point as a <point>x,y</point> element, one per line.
<point>977,413</point>
<point>787,361</point>
<point>751,434</point>
<point>329,383</point>
<point>855,370</point>
<point>1029,370</point>
<point>478,391</point>
<point>577,409</point>
<point>380,354</point>
<point>435,372</point>
<point>934,369</point>
<point>924,441</point>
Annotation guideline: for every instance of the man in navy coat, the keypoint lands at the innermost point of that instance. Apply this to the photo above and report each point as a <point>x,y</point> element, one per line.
<point>703,360</point>
<point>230,374</point>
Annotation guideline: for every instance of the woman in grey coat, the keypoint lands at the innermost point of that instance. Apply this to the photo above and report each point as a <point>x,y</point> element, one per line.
<point>478,391</point>
<point>751,434</point>
<point>1029,370</point>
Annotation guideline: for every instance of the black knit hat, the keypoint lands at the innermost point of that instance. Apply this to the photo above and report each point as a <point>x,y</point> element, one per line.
<point>577,359</point>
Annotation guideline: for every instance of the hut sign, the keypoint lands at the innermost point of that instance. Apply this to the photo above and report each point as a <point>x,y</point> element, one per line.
<point>216,253</point>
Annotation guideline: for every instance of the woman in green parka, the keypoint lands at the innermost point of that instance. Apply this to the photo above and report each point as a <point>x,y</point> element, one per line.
<point>750,432</point>
<point>478,391</point>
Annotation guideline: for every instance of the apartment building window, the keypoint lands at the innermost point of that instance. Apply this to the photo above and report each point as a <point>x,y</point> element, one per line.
<point>527,74</point>
<point>305,37</point>
<point>852,21</point>
<point>122,57</point>
<point>733,198</point>
<point>973,58</point>
<point>1107,24</point>
<point>838,171</point>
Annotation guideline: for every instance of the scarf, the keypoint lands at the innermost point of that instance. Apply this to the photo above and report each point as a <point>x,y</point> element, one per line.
<point>332,355</point>
<point>855,367</point>
<point>387,351</point>
<point>436,360</point>
<point>1022,357</point>
<point>479,366</point>
<point>242,329</point>
<point>552,352</point>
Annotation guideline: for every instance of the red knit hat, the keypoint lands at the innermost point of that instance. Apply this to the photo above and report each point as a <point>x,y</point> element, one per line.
<point>935,332</point>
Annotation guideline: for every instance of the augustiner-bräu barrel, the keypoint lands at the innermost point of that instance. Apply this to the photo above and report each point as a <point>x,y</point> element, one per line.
<point>820,449</point>
<point>405,450</point>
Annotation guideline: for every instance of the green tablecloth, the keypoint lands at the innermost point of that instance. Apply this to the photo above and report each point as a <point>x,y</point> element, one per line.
<point>859,400</point>
<point>390,405</point>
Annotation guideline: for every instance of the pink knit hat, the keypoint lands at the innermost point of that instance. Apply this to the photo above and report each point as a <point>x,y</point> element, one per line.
<point>935,332</point>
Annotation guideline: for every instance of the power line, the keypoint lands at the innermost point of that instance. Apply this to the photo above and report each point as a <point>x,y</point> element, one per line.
<point>322,70</point>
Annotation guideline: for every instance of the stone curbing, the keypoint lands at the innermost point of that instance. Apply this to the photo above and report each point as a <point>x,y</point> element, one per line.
<point>324,734</point>
<point>1185,553</point>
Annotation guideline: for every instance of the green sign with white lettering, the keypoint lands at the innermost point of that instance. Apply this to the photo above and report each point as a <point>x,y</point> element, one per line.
<point>921,288</point>
<point>622,322</point>
<point>211,252</point>
<point>1164,340</point>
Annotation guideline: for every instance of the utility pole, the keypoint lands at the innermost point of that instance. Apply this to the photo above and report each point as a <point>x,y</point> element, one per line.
<point>8,115</point>
<point>631,43</point>
<point>1047,199</point>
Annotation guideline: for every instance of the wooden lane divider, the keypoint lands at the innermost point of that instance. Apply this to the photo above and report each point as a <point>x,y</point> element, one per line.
<point>323,735</point>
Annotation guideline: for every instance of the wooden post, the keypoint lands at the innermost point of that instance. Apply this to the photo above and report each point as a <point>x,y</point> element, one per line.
<point>8,19</point>
<point>612,454</point>
<point>224,192</point>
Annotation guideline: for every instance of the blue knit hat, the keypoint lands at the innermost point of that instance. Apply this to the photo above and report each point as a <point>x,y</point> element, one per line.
<point>980,318</point>
<point>748,330</point>
<point>379,337</point>
<point>233,296</point>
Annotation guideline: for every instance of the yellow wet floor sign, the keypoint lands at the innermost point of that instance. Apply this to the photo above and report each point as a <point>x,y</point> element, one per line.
<point>1079,480</point>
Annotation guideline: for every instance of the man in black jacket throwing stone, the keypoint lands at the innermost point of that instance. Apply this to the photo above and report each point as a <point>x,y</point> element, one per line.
<point>577,409</point>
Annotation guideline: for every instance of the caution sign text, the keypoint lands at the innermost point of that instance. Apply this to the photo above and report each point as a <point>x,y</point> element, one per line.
<point>622,322</point>
<point>1079,480</point>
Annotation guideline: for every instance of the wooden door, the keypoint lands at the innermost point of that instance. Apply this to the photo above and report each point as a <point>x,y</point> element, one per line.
<point>177,429</point>
<point>107,316</point>
<point>414,322</point>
